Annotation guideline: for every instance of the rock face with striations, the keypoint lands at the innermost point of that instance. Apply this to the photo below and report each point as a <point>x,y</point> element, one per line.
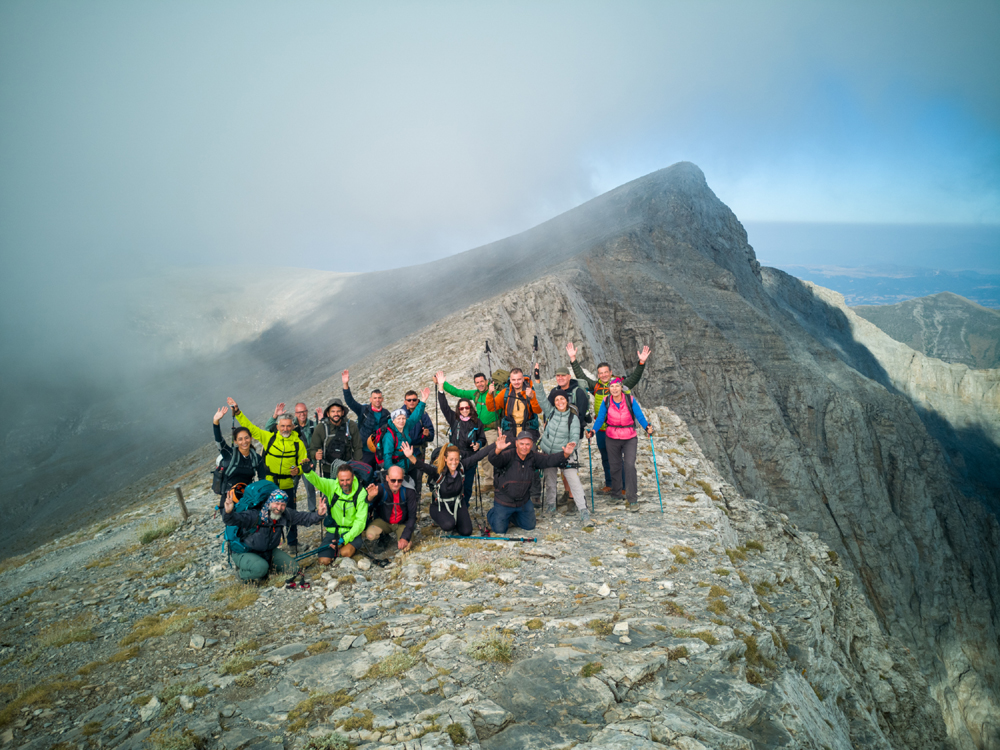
<point>801,408</point>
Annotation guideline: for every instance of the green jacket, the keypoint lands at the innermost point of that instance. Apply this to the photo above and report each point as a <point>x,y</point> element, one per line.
<point>600,390</point>
<point>281,456</point>
<point>347,512</point>
<point>487,417</point>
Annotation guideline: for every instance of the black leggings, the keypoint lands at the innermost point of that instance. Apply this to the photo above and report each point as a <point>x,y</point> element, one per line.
<point>446,521</point>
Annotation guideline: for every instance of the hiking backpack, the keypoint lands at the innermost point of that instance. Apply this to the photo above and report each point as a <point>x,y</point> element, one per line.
<point>254,496</point>
<point>340,441</point>
<point>220,473</point>
<point>375,445</point>
<point>507,422</point>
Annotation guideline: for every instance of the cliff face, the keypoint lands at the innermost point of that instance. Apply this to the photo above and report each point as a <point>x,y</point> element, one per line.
<point>802,406</point>
<point>945,326</point>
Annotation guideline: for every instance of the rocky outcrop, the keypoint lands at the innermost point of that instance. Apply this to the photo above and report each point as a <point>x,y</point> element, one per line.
<point>945,326</point>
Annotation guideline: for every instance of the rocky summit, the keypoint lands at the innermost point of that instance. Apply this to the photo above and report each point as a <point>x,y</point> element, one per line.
<point>824,573</point>
<point>713,622</point>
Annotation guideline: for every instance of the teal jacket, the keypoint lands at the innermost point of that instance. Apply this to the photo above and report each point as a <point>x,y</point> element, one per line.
<point>392,455</point>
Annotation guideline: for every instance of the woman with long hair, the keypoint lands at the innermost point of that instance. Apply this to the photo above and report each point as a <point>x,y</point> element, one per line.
<point>449,507</point>
<point>240,462</point>
<point>465,430</point>
<point>621,413</point>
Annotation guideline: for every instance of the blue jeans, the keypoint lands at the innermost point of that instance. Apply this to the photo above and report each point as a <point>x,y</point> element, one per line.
<point>602,446</point>
<point>500,517</point>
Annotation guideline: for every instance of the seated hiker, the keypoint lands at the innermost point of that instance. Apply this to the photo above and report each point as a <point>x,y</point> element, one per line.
<point>260,532</point>
<point>619,413</point>
<point>599,388</point>
<point>562,427</point>
<point>448,474</point>
<point>284,453</point>
<point>346,515</point>
<point>396,508</point>
<point>391,438</point>
<point>514,469</point>
<point>371,416</point>
<point>240,463</point>
<point>464,430</point>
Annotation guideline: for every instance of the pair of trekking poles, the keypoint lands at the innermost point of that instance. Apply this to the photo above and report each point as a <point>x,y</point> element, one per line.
<point>656,473</point>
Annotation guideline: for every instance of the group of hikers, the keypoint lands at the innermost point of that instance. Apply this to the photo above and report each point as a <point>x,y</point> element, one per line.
<point>363,477</point>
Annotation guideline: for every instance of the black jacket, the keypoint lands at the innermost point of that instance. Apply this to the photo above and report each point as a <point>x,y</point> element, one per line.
<point>513,474</point>
<point>244,467</point>
<point>266,535</point>
<point>463,432</point>
<point>453,486</point>
<point>383,504</point>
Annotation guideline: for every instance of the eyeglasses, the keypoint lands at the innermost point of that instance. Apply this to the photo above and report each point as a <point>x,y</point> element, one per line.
<point>394,481</point>
<point>411,399</point>
<point>301,412</point>
<point>464,408</point>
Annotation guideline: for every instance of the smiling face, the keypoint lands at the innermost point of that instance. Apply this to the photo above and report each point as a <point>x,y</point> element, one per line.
<point>604,374</point>
<point>345,478</point>
<point>516,380</point>
<point>376,401</point>
<point>394,478</point>
<point>616,390</point>
<point>523,446</point>
<point>562,381</point>
<point>335,413</point>
<point>464,407</point>
<point>285,427</point>
<point>452,459</point>
<point>480,384</point>
<point>400,422</point>
<point>243,441</point>
<point>301,413</point>
<point>561,403</point>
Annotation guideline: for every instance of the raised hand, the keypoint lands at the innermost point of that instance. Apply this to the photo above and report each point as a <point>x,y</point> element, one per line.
<point>319,414</point>
<point>425,393</point>
<point>232,403</point>
<point>529,392</point>
<point>643,355</point>
<point>407,449</point>
<point>219,414</point>
<point>493,387</point>
<point>571,351</point>
<point>501,443</point>
<point>439,377</point>
<point>372,490</point>
<point>230,501</point>
<point>294,471</point>
<point>568,449</point>
<point>279,409</point>
<point>319,454</point>
<point>345,378</point>
<point>320,505</point>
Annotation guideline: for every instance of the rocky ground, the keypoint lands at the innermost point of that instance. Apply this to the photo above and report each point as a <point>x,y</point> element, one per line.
<point>714,623</point>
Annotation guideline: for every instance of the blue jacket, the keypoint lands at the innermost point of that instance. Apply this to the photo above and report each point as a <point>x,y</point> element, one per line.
<point>368,420</point>
<point>636,412</point>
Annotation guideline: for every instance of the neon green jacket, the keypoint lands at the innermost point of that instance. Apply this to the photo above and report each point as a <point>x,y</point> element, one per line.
<point>280,454</point>
<point>347,512</point>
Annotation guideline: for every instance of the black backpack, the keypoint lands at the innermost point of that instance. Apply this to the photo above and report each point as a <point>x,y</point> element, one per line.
<point>507,423</point>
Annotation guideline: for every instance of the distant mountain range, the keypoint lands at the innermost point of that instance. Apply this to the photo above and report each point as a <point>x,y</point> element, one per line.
<point>886,285</point>
<point>943,325</point>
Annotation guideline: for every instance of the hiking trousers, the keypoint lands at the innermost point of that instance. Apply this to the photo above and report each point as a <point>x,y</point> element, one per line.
<point>621,456</point>
<point>461,525</point>
<point>602,447</point>
<point>251,566</point>
<point>500,517</point>
<point>572,479</point>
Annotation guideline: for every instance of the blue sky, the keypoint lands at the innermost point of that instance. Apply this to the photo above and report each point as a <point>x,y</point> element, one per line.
<point>357,136</point>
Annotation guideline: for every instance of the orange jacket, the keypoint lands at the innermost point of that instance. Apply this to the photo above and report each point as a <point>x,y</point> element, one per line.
<point>498,402</point>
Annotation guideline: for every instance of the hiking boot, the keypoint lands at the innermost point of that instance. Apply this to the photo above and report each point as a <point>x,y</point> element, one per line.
<point>605,490</point>
<point>563,499</point>
<point>584,517</point>
<point>550,508</point>
<point>631,507</point>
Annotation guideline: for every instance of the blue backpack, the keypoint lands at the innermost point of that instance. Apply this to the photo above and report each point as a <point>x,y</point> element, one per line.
<point>254,496</point>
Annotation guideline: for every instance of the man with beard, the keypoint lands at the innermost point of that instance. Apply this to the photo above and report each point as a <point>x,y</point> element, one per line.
<point>261,532</point>
<point>336,440</point>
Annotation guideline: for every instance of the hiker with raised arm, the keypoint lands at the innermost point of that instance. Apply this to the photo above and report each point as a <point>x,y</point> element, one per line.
<point>599,388</point>
<point>488,417</point>
<point>304,426</point>
<point>515,467</point>
<point>396,508</point>
<point>464,430</point>
<point>284,453</point>
<point>260,532</point>
<point>335,441</point>
<point>347,513</point>
<point>240,462</point>
<point>562,427</point>
<point>418,435</point>
<point>448,476</point>
<point>578,401</point>
<point>371,416</point>
<point>619,413</point>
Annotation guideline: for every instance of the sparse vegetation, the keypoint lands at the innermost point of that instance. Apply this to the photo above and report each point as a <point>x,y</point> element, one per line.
<point>392,665</point>
<point>754,545</point>
<point>596,562</point>
<point>717,606</point>
<point>591,668</point>
<point>364,720</point>
<point>753,677</point>
<point>534,624</point>
<point>736,554</point>
<point>378,632</point>
<point>238,665</point>
<point>315,708</point>
<point>493,646</point>
<point>152,531</point>
<point>236,595</point>
<point>472,609</point>
<point>600,627</point>
<point>721,572</point>
<point>690,499</point>
<point>680,652</point>
<point>155,626</point>
<point>716,591</point>
<point>834,557</point>
<point>332,741</point>
<point>457,734</point>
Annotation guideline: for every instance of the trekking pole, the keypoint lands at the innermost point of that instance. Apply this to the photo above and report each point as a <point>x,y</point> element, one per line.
<point>493,538</point>
<point>656,472</point>
<point>488,362</point>
<point>437,428</point>
<point>590,455</point>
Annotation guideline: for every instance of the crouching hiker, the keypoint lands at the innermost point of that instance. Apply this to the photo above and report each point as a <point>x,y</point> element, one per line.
<point>449,505</point>
<point>346,515</point>
<point>514,469</point>
<point>396,507</point>
<point>260,531</point>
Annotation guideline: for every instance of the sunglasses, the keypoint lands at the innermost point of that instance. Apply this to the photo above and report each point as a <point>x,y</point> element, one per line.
<point>411,399</point>
<point>464,408</point>
<point>394,481</point>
